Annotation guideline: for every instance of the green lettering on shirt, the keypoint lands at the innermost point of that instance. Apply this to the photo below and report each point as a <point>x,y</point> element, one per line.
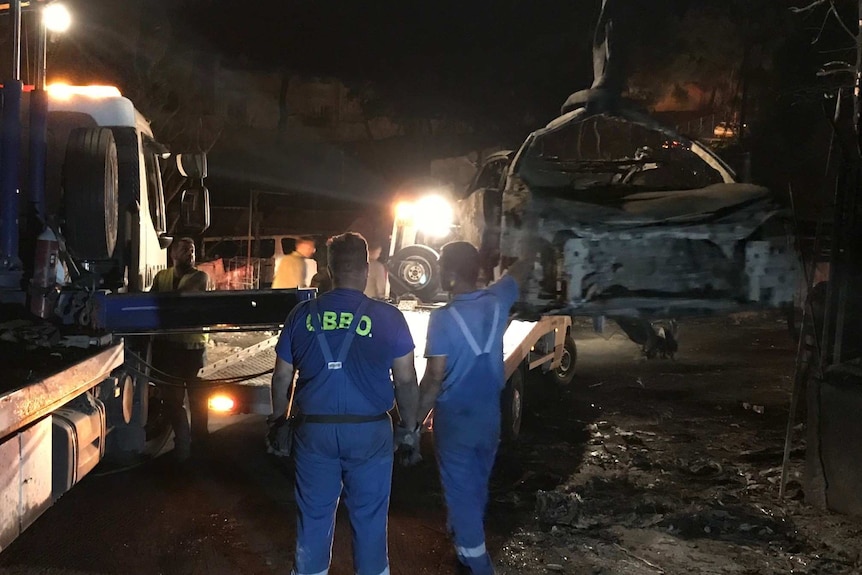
<point>332,321</point>
<point>344,320</point>
<point>364,327</point>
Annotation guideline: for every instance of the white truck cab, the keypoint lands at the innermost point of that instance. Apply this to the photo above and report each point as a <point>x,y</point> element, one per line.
<point>104,181</point>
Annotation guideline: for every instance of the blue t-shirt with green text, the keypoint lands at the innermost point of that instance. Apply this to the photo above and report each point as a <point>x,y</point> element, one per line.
<point>363,385</point>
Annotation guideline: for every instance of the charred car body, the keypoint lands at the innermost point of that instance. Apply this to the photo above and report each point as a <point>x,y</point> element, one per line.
<point>636,220</point>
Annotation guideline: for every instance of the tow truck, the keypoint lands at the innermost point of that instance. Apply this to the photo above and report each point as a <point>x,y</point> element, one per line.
<point>81,238</point>
<point>544,343</point>
<point>76,316</point>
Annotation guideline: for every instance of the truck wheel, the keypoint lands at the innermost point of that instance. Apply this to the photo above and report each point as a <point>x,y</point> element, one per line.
<point>512,405</point>
<point>415,270</point>
<point>157,430</point>
<point>90,193</point>
<point>151,414</point>
<point>564,374</point>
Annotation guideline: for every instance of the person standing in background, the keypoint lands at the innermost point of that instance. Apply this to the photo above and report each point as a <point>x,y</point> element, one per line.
<point>376,286</point>
<point>296,270</point>
<point>178,357</point>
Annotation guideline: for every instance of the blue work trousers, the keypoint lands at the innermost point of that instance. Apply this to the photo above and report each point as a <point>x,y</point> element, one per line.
<point>353,458</point>
<point>464,472</point>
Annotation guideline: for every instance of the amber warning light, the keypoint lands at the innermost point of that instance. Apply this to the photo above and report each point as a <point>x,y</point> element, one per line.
<point>221,403</point>
<point>65,91</point>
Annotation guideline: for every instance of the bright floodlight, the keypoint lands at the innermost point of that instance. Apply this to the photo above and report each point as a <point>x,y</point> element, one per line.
<point>434,215</point>
<point>56,17</point>
<point>405,212</point>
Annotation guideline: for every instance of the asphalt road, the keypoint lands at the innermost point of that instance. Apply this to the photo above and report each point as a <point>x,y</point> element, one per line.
<point>232,511</point>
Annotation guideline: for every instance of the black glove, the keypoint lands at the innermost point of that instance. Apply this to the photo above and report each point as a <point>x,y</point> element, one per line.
<point>279,438</point>
<point>406,442</point>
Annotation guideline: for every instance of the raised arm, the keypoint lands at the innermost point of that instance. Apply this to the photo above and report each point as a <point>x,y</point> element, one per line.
<point>530,246</point>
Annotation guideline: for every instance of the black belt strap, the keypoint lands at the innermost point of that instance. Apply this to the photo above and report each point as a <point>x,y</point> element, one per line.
<point>345,418</point>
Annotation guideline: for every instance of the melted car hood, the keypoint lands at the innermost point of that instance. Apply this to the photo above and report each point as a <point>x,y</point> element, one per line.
<point>654,206</point>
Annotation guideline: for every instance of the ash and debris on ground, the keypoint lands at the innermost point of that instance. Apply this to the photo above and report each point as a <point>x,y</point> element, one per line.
<point>645,467</point>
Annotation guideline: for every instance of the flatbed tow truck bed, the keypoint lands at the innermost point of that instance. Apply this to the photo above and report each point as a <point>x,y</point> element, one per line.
<point>545,343</point>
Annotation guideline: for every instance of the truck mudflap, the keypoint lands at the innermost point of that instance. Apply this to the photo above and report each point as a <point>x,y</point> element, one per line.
<point>25,478</point>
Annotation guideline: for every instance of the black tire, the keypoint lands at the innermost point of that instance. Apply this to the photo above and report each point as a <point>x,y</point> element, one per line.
<point>512,406</point>
<point>564,374</point>
<point>415,270</point>
<point>90,193</point>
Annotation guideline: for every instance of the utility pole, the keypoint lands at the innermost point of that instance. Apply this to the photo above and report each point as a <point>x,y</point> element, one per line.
<point>11,272</point>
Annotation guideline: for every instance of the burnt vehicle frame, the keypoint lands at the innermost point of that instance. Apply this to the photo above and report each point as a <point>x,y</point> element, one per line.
<point>654,229</point>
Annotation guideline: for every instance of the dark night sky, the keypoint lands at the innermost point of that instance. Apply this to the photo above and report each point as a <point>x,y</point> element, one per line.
<point>504,64</point>
<point>443,53</point>
<point>488,60</point>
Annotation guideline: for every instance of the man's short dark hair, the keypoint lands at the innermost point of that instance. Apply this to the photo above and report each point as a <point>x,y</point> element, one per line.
<point>461,260</point>
<point>347,253</point>
<point>180,241</point>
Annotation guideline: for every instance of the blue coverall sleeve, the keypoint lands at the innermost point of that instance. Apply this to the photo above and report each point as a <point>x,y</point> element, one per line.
<point>436,342</point>
<point>506,289</point>
<point>401,341</point>
<point>283,347</point>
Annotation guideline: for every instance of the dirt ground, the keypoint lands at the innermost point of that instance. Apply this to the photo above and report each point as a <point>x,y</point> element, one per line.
<point>638,467</point>
<point>646,467</point>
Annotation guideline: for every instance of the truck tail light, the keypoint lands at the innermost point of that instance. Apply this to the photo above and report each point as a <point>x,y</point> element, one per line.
<point>221,403</point>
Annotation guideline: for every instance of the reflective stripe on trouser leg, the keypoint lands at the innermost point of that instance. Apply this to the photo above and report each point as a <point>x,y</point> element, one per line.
<point>464,473</point>
<point>317,490</point>
<point>366,462</point>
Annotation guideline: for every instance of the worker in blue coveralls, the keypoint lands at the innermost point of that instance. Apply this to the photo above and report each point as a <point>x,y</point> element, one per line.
<point>463,380</point>
<point>344,346</point>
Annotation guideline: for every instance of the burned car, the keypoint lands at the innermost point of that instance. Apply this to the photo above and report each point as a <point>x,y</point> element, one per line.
<point>638,221</point>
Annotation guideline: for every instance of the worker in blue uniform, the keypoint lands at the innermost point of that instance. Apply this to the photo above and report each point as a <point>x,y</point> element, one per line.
<point>463,380</point>
<point>344,346</point>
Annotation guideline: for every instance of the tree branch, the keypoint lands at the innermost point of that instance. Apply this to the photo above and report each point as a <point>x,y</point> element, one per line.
<point>808,8</point>
<point>840,21</point>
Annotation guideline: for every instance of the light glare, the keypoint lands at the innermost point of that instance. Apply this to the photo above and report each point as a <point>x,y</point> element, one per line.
<point>56,17</point>
<point>435,216</point>
<point>65,91</point>
<point>404,212</point>
<point>221,403</point>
